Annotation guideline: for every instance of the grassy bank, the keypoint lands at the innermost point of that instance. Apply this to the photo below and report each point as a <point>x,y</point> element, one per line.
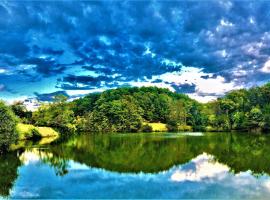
<point>27,131</point>
<point>162,127</point>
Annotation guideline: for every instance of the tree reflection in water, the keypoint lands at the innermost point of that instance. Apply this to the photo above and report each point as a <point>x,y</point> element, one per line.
<point>9,164</point>
<point>158,152</point>
<point>211,154</point>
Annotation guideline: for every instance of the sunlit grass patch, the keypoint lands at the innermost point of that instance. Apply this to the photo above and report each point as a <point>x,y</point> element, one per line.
<point>24,131</point>
<point>27,131</point>
<point>47,131</point>
<point>158,127</point>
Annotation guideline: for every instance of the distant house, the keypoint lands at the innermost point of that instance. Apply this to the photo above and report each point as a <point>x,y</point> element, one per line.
<point>31,104</point>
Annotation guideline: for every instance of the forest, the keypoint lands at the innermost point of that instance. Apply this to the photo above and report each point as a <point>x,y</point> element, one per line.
<point>136,109</point>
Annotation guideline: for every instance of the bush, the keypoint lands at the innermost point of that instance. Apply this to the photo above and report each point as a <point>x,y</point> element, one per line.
<point>172,126</point>
<point>57,115</point>
<point>35,134</point>
<point>8,123</point>
<point>146,128</point>
<point>80,123</point>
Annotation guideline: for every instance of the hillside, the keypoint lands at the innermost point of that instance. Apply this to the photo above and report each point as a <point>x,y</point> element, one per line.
<point>125,109</point>
<point>149,109</point>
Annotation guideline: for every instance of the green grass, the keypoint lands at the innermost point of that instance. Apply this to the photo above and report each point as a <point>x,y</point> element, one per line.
<point>161,127</point>
<point>158,127</point>
<point>27,131</point>
<point>47,131</point>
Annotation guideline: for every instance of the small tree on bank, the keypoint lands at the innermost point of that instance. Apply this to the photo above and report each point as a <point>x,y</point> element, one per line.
<point>7,127</point>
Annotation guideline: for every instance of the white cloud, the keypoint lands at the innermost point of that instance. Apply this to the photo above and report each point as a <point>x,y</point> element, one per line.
<point>205,88</point>
<point>105,40</point>
<point>205,168</point>
<point>222,53</point>
<point>225,23</point>
<point>149,52</point>
<point>266,67</point>
<point>239,71</point>
<point>253,48</point>
<point>33,155</point>
<point>83,92</point>
<point>203,99</point>
<point>14,99</point>
<point>251,20</point>
<point>2,71</point>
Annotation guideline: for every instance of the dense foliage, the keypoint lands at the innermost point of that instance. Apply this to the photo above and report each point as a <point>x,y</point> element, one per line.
<point>7,127</point>
<point>114,110</point>
<point>245,110</point>
<point>58,114</point>
<point>21,112</point>
<point>127,109</point>
<point>159,152</point>
<point>135,109</point>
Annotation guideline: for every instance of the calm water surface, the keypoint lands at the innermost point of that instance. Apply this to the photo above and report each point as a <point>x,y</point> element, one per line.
<point>162,165</point>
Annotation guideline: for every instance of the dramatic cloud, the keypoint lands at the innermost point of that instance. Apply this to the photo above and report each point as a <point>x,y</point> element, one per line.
<point>200,48</point>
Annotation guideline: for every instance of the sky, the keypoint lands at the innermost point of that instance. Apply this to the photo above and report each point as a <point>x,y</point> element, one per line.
<point>201,48</point>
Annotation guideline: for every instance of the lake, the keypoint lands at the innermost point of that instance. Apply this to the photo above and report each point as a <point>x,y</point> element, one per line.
<point>156,165</point>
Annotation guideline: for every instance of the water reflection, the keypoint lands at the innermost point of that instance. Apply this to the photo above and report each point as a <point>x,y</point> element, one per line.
<point>203,167</point>
<point>141,166</point>
<point>158,152</point>
<point>202,177</point>
<point>8,172</point>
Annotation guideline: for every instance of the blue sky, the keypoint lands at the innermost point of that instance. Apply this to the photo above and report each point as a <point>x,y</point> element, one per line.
<point>201,48</point>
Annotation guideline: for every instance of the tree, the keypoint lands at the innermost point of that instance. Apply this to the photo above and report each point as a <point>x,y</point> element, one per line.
<point>239,120</point>
<point>124,109</point>
<point>57,114</point>
<point>228,106</point>
<point>266,117</point>
<point>115,116</point>
<point>8,122</point>
<point>20,111</point>
<point>177,115</point>
<point>85,105</point>
<point>255,119</point>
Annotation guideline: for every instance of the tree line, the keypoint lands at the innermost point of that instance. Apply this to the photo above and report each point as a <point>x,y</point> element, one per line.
<point>133,109</point>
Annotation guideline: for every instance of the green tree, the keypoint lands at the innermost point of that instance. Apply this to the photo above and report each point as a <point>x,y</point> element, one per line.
<point>8,122</point>
<point>239,120</point>
<point>266,117</point>
<point>255,119</point>
<point>20,111</point>
<point>58,114</point>
<point>228,107</point>
<point>177,115</point>
<point>116,116</point>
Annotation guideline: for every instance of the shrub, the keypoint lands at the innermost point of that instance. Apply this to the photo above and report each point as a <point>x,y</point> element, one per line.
<point>146,128</point>
<point>172,126</point>
<point>35,134</point>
